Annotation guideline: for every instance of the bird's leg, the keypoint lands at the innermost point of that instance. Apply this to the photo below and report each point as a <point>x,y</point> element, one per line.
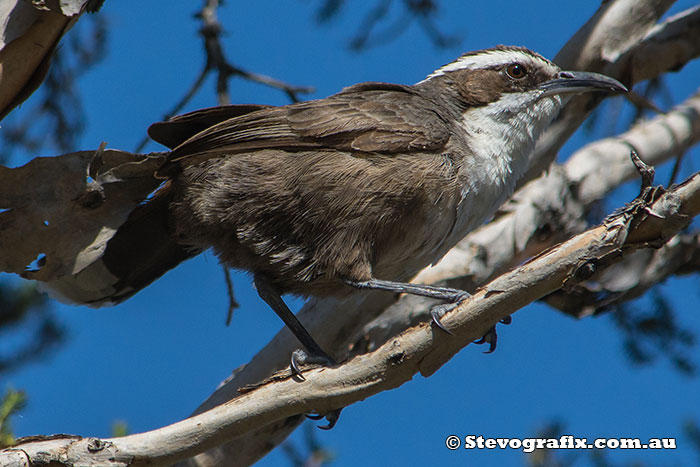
<point>317,355</point>
<point>440,293</point>
<point>453,296</point>
<point>274,300</point>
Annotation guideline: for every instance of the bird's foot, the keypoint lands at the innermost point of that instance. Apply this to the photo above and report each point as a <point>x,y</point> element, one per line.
<point>300,357</point>
<point>491,337</point>
<point>438,311</point>
<point>331,416</point>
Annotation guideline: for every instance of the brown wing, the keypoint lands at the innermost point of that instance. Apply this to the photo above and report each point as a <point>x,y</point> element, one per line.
<point>369,117</point>
<point>179,129</point>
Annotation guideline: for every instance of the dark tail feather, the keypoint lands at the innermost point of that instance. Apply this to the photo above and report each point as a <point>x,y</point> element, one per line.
<point>144,247</point>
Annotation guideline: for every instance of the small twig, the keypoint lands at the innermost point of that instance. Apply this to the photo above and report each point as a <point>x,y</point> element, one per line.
<point>438,38</point>
<point>425,11</point>
<point>216,62</point>
<point>216,59</point>
<point>371,19</point>
<point>390,33</point>
<point>647,172</point>
<point>676,168</point>
<point>642,102</point>
<point>232,303</point>
<point>421,10</point>
<point>289,89</point>
<point>179,106</point>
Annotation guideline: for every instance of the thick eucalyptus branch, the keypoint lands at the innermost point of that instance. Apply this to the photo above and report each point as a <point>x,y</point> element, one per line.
<point>631,278</point>
<point>59,229</point>
<point>667,47</point>
<point>30,32</point>
<point>649,220</point>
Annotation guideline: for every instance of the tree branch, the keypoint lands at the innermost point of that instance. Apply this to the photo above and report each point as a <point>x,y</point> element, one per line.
<point>630,278</point>
<point>667,47</point>
<point>648,221</point>
<point>30,33</point>
<point>66,224</point>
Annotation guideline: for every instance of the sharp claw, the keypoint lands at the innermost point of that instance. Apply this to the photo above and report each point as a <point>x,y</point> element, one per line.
<point>491,337</point>
<point>435,314</point>
<point>438,311</point>
<point>298,358</point>
<point>332,418</point>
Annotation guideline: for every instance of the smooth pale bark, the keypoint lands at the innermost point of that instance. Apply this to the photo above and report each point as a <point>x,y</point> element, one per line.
<point>422,349</point>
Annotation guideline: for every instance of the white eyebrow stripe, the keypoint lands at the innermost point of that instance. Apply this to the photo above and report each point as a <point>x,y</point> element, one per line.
<point>481,60</point>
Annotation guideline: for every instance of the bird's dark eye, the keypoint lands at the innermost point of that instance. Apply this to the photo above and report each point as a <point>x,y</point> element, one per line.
<point>516,71</point>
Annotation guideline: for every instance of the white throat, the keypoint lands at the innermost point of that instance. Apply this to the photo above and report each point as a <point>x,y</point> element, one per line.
<point>501,136</point>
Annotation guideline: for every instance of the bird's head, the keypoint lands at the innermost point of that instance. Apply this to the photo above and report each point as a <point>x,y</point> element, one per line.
<point>502,100</point>
<point>514,75</point>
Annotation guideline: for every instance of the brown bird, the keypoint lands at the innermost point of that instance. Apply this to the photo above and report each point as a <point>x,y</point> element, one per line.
<point>351,191</point>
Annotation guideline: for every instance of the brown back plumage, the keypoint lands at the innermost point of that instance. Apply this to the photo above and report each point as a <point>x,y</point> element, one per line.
<point>306,195</point>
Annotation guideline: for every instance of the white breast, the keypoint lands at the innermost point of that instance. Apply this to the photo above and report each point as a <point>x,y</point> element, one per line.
<point>501,136</point>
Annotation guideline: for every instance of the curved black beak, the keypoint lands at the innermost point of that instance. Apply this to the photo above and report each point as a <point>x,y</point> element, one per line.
<point>568,82</point>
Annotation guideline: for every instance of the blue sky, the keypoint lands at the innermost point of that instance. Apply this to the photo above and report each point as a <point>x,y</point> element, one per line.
<point>153,359</point>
